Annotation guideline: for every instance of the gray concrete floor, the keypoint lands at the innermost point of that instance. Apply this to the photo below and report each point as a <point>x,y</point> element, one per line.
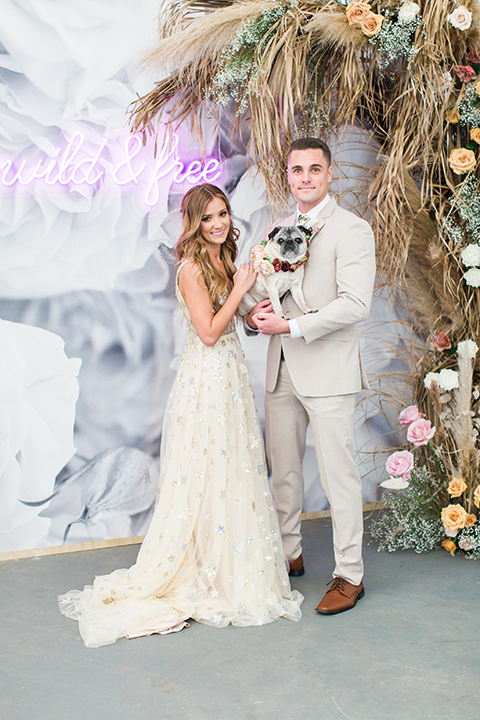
<point>409,650</point>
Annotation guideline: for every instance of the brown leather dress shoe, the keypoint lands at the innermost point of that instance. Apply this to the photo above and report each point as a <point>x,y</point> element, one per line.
<point>341,596</point>
<point>296,567</point>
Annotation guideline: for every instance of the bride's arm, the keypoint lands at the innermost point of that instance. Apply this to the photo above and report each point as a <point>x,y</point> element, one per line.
<point>209,327</point>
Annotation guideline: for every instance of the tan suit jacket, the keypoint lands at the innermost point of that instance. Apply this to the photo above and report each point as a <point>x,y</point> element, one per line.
<point>338,281</point>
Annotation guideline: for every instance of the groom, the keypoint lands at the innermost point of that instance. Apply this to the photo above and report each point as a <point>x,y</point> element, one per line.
<point>314,369</point>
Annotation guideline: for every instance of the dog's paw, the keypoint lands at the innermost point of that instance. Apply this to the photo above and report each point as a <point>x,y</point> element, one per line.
<point>311,311</point>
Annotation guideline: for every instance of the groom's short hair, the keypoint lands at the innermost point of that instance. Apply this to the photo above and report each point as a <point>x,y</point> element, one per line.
<point>310,143</point>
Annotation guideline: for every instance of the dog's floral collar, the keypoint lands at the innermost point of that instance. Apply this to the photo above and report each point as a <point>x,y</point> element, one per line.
<point>265,265</point>
<point>285,266</point>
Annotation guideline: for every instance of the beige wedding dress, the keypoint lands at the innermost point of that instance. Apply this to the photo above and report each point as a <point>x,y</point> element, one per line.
<point>213,551</point>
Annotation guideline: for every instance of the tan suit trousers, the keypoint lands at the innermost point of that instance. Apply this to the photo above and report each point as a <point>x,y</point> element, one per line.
<point>287,416</point>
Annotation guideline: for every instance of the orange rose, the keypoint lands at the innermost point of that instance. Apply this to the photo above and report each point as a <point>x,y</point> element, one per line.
<point>449,546</point>
<point>462,161</point>
<point>372,24</point>
<point>457,487</point>
<point>475,135</point>
<point>476,496</point>
<point>357,12</point>
<point>453,517</point>
<point>453,116</point>
<point>470,520</point>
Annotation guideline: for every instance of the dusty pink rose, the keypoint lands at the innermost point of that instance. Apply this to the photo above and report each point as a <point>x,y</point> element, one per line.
<point>466,543</point>
<point>441,342</point>
<point>409,415</point>
<point>420,432</point>
<point>473,56</point>
<point>465,73</point>
<point>400,463</point>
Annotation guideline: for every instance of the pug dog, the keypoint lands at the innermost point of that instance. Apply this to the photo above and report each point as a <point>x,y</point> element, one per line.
<point>280,262</point>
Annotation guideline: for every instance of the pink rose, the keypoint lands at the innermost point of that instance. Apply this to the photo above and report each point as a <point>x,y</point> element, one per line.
<point>466,543</point>
<point>442,342</point>
<point>400,463</point>
<point>420,432</point>
<point>465,73</point>
<point>409,415</point>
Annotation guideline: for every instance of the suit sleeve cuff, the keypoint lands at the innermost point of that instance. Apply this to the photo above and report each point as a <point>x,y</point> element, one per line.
<point>249,330</point>
<point>295,331</point>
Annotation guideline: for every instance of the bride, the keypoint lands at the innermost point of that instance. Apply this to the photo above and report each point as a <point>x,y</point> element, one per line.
<point>213,550</point>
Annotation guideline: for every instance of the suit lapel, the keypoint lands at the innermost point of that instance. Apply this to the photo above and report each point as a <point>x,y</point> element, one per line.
<point>319,221</point>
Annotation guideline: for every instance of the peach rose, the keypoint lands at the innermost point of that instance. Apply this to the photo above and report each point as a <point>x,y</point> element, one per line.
<point>470,520</point>
<point>457,487</point>
<point>453,517</point>
<point>462,161</point>
<point>449,546</point>
<point>476,496</point>
<point>477,87</point>
<point>357,12</point>
<point>372,24</point>
<point>475,135</point>
<point>453,116</point>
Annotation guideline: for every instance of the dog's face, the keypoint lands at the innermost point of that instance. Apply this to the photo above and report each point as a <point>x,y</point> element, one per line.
<point>289,242</point>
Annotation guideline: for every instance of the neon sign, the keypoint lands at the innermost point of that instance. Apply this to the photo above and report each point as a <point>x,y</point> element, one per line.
<point>124,166</point>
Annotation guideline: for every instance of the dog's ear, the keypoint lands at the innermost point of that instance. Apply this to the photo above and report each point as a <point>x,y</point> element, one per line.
<point>274,232</point>
<point>308,231</point>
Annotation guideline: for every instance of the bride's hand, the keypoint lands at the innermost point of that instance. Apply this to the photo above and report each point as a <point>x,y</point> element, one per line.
<point>244,277</point>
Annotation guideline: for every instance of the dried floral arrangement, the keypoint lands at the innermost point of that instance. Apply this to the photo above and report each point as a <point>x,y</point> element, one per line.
<point>409,73</point>
<point>436,500</point>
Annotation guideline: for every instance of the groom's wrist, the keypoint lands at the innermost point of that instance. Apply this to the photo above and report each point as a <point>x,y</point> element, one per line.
<point>295,331</point>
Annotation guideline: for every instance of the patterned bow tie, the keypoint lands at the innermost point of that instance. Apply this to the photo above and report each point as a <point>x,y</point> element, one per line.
<point>302,220</point>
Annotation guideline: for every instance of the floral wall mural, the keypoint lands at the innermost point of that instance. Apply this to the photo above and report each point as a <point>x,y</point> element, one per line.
<point>89,333</point>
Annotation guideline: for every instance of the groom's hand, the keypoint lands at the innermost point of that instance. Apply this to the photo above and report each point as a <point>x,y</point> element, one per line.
<point>264,306</point>
<point>271,324</point>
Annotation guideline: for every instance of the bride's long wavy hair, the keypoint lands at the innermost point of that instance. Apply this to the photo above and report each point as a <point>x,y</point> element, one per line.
<point>192,246</point>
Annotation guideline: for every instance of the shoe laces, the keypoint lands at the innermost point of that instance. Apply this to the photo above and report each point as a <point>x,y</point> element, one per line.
<point>339,584</point>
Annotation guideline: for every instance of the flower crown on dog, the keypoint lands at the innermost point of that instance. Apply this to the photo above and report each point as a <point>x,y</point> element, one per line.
<point>265,265</point>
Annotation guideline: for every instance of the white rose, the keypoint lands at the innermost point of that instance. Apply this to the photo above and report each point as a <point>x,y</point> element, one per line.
<point>429,378</point>
<point>471,255</point>
<point>472,277</point>
<point>467,348</point>
<point>461,18</point>
<point>448,379</point>
<point>408,11</point>
<point>38,392</point>
<point>450,532</point>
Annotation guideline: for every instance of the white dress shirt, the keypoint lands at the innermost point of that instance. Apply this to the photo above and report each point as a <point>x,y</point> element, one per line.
<point>295,331</point>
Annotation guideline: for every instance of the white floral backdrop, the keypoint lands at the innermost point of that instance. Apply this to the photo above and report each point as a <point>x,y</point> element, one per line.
<point>83,208</point>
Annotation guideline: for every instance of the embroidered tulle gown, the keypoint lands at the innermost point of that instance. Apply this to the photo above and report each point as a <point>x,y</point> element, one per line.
<point>213,550</point>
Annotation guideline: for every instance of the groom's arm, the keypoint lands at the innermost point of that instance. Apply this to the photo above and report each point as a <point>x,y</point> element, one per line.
<point>354,276</point>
